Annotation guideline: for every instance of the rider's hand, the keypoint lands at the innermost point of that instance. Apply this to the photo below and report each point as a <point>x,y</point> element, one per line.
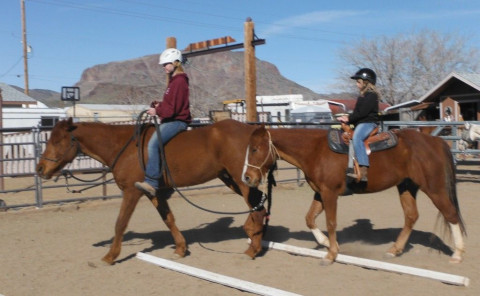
<point>343,119</point>
<point>151,111</point>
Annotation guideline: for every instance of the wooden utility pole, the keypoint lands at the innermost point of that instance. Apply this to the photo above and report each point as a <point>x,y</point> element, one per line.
<point>25,46</point>
<point>250,72</point>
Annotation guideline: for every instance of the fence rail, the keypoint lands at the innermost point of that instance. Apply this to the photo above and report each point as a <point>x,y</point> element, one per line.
<point>21,149</point>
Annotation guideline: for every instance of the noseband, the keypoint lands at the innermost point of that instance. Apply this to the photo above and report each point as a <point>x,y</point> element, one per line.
<point>272,151</point>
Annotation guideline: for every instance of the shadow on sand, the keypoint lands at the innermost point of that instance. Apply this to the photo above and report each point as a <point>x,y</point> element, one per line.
<point>361,231</point>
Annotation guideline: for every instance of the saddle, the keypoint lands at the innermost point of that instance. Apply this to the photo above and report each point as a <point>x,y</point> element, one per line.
<point>339,139</point>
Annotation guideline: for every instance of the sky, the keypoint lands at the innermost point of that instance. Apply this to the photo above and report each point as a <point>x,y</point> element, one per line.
<point>303,37</point>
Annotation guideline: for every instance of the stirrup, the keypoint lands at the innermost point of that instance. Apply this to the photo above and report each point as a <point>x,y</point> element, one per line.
<point>352,175</point>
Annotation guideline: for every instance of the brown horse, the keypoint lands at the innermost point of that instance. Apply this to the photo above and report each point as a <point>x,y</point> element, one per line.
<point>418,161</point>
<point>193,157</point>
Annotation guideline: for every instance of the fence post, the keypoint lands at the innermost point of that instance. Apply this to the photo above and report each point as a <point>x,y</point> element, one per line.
<point>104,179</point>
<point>38,182</point>
<point>299,177</point>
<point>2,161</point>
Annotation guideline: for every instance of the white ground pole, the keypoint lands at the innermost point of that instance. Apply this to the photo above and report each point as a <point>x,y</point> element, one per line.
<point>373,264</point>
<point>214,277</point>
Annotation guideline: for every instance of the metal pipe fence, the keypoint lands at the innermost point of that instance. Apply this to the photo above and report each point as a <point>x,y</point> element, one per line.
<point>21,149</point>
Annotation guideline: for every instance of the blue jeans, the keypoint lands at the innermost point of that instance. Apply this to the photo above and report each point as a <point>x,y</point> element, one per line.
<point>167,131</point>
<point>362,130</point>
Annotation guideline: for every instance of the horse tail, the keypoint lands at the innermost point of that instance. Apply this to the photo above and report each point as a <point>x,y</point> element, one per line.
<point>451,184</point>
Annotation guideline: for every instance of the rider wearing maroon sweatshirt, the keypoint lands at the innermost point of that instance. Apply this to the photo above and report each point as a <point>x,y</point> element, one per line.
<point>174,113</point>
<point>175,104</point>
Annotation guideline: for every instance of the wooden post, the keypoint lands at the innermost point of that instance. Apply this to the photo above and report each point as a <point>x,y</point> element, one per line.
<point>250,72</point>
<point>171,43</point>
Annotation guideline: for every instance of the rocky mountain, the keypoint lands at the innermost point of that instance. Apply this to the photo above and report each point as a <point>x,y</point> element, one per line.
<point>213,79</point>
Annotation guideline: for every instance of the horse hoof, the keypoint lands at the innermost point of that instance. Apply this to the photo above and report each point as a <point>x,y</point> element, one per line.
<point>455,260</point>
<point>246,256</point>
<point>106,261</point>
<point>389,255</point>
<point>176,256</point>
<point>325,262</point>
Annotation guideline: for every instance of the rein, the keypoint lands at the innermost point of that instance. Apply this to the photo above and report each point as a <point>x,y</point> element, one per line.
<point>167,173</point>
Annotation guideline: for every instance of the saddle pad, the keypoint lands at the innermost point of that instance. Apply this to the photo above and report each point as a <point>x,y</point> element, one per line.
<point>381,141</point>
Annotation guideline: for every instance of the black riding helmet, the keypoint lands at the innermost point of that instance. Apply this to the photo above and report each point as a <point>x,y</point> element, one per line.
<point>366,74</point>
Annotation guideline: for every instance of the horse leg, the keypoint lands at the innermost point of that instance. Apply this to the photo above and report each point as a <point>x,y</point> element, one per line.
<point>330,204</point>
<point>452,216</point>
<point>161,204</point>
<point>457,255</point>
<point>315,209</point>
<point>129,202</point>
<point>408,192</point>
<point>254,229</point>
<point>253,226</point>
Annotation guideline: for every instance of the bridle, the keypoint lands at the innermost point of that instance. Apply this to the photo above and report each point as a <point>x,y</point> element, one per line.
<point>272,152</point>
<point>73,144</point>
<point>66,173</point>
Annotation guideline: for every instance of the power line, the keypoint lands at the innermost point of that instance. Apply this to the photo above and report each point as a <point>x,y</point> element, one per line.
<point>129,13</point>
<point>12,67</point>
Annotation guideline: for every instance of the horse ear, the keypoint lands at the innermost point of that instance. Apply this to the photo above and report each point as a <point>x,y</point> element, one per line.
<point>260,127</point>
<point>70,126</point>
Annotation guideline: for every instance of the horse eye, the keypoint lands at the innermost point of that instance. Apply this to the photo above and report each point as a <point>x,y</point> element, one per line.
<point>254,150</point>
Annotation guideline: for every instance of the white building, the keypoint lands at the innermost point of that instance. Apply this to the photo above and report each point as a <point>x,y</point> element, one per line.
<point>20,110</point>
<point>286,108</point>
<point>105,112</point>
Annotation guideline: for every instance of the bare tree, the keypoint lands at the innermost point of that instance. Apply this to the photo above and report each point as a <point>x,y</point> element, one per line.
<point>408,66</point>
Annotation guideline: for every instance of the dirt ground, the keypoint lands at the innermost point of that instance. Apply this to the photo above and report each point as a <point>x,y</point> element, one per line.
<point>56,250</point>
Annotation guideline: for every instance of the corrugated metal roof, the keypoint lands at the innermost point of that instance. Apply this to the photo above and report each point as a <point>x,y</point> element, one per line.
<point>471,79</point>
<point>10,94</point>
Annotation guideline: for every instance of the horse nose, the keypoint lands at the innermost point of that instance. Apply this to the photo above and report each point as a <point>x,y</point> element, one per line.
<point>39,169</point>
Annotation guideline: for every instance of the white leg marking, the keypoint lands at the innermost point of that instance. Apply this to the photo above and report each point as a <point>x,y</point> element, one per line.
<point>321,238</point>
<point>458,242</point>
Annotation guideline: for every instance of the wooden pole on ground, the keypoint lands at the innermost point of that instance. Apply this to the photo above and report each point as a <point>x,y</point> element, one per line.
<point>373,264</point>
<point>214,277</point>
<point>250,72</point>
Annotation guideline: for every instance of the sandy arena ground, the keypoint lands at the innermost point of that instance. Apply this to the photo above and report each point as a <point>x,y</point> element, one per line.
<point>56,250</point>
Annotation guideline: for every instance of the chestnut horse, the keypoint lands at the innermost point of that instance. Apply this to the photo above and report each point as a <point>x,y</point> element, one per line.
<point>418,161</point>
<point>193,157</point>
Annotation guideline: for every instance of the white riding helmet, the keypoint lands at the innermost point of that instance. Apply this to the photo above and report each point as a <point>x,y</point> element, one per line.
<point>170,55</point>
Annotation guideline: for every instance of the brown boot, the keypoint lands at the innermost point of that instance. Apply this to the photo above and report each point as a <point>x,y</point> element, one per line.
<point>352,174</point>
<point>363,173</point>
